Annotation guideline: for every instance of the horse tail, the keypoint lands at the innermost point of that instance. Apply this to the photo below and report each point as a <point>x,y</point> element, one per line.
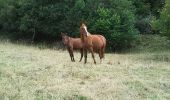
<point>104,45</point>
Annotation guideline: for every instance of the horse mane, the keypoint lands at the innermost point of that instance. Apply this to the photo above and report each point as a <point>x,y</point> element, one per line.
<point>81,35</point>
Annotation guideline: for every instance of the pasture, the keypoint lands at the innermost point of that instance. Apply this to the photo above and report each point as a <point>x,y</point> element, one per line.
<point>28,72</point>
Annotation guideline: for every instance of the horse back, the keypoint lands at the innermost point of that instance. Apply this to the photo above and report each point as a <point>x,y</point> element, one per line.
<point>103,39</point>
<point>97,41</point>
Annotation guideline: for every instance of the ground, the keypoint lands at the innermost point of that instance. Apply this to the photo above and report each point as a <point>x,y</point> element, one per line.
<point>28,72</point>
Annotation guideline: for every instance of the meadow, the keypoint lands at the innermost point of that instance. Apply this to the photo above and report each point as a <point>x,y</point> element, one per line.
<point>34,65</point>
<point>28,72</point>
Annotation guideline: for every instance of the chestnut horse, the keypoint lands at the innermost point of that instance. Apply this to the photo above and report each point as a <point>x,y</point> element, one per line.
<point>93,43</point>
<point>72,44</point>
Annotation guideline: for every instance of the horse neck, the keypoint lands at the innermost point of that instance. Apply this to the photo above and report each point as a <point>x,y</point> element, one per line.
<point>83,38</point>
<point>68,40</point>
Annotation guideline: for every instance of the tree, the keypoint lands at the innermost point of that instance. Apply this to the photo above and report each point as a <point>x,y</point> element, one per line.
<point>39,19</point>
<point>116,20</point>
<point>145,11</point>
<point>9,15</point>
<point>163,23</point>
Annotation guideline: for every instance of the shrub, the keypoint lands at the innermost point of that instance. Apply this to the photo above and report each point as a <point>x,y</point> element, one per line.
<point>164,21</point>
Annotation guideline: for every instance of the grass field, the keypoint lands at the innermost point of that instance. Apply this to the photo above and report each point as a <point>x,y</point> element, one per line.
<point>28,72</point>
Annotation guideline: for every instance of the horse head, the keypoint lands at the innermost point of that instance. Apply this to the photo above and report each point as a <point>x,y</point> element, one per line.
<point>83,30</point>
<point>65,38</point>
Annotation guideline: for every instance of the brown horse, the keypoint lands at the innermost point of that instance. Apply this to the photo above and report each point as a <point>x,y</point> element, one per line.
<point>72,44</point>
<point>92,43</point>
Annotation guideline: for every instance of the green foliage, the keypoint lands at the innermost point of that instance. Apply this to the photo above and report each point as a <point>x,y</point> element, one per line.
<point>156,6</point>
<point>152,43</point>
<point>145,10</point>
<point>117,24</point>
<point>115,19</point>
<point>142,8</point>
<point>144,25</point>
<point>163,23</point>
<point>165,20</point>
<point>9,15</point>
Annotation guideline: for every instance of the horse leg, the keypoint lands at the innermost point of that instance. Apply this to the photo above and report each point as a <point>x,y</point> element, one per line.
<point>70,54</point>
<point>92,53</point>
<point>103,51</point>
<point>73,57</point>
<point>85,56</point>
<point>100,55</point>
<point>81,51</point>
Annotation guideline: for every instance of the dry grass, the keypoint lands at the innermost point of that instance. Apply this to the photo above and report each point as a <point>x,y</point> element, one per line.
<point>28,73</point>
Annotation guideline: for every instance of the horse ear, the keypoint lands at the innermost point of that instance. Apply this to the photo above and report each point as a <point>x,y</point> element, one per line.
<point>81,23</point>
<point>62,34</point>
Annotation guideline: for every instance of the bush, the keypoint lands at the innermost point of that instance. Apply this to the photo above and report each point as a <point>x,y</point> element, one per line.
<point>152,43</point>
<point>116,25</point>
<point>163,23</point>
<point>144,26</point>
<point>145,11</point>
<point>9,18</point>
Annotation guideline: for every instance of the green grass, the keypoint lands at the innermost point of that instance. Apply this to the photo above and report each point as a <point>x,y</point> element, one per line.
<point>151,43</point>
<point>32,73</point>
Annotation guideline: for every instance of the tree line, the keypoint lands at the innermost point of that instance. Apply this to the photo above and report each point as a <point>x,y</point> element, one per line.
<point>120,21</point>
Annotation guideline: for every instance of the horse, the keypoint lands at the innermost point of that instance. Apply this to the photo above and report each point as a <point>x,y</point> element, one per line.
<point>93,43</point>
<point>72,44</point>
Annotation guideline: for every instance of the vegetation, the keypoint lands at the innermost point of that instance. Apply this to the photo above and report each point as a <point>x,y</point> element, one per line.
<point>120,21</point>
<point>145,11</point>
<point>152,43</point>
<point>163,23</point>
